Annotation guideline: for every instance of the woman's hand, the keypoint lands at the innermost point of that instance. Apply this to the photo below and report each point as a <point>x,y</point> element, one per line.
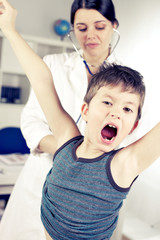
<point>48,144</point>
<point>7,17</point>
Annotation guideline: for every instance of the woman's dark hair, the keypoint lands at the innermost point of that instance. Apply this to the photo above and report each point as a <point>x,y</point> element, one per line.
<point>105,7</point>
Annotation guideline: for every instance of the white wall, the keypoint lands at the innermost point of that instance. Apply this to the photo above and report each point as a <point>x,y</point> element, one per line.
<point>36,17</point>
<point>140,43</point>
<point>140,48</point>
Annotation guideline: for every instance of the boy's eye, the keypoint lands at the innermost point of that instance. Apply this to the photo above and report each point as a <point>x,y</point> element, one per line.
<point>126,109</point>
<point>108,103</point>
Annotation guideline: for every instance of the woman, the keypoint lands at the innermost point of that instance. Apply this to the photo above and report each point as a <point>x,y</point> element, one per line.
<point>93,24</point>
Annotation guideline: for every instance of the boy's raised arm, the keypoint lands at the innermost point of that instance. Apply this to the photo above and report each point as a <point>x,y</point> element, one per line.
<point>146,150</point>
<point>39,76</point>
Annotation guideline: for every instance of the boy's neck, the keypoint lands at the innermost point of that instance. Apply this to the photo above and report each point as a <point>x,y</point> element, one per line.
<point>85,150</point>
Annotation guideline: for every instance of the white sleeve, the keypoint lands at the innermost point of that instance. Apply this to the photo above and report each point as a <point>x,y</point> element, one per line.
<point>33,122</point>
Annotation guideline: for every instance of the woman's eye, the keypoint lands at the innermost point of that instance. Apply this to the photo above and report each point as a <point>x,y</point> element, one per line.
<point>82,29</point>
<point>100,28</point>
<point>126,109</point>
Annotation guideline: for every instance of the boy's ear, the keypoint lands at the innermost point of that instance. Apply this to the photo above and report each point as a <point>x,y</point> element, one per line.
<point>134,127</point>
<point>84,111</point>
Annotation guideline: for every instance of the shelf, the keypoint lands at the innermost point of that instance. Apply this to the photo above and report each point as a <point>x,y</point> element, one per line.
<point>10,114</point>
<point>13,79</point>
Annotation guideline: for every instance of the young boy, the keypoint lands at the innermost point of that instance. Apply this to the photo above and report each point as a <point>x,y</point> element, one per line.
<point>85,188</point>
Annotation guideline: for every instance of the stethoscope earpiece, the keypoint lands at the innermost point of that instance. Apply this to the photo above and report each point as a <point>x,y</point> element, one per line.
<point>118,34</point>
<point>77,51</point>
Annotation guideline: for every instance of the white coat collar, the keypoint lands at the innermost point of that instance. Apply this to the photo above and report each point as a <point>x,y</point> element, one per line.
<point>76,59</point>
<point>77,68</point>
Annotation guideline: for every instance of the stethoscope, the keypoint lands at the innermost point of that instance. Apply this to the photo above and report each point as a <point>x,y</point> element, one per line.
<point>84,61</point>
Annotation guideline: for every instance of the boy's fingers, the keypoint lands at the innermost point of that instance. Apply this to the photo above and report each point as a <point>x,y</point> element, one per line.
<point>5,7</point>
<point>2,8</point>
<point>4,4</point>
<point>1,5</point>
<point>3,1</point>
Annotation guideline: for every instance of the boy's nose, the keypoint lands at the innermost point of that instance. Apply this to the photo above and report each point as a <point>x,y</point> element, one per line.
<point>115,115</point>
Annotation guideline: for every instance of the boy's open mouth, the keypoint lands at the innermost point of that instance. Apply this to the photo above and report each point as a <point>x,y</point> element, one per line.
<point>109,132</point>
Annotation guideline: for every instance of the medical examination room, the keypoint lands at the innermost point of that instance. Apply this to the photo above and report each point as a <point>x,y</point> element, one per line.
<point>74,38</point>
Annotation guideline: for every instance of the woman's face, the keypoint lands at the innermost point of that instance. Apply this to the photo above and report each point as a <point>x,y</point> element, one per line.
<point>93,32</point>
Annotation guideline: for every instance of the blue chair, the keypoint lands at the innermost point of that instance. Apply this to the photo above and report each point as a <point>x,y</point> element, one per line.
<point>12,141</point>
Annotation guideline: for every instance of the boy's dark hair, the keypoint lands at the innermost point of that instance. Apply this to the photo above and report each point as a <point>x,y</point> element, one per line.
<point>105,7</point>
<point>114,75</point>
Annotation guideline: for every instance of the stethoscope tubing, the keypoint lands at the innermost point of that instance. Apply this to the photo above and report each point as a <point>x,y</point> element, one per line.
<point>75,48</point>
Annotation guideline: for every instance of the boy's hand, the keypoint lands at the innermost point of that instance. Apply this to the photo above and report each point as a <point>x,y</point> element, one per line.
<point>7,17</point>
